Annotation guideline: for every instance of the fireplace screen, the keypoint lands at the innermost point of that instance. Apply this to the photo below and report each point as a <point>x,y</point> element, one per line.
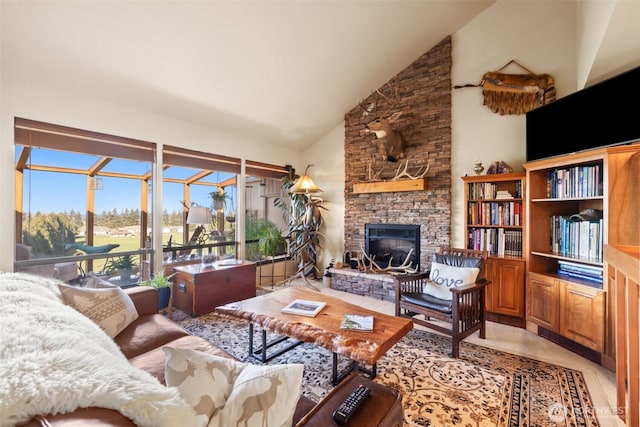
<point>393,243</point>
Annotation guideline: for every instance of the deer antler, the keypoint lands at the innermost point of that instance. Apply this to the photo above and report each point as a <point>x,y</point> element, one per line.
<point>371,175</point>
<point>375,268</point>
<point>394,97</point>
<point>366,110</point>
<point>402,171</point>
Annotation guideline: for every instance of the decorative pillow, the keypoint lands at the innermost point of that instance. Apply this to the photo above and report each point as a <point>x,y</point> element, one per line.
<point>93,281</point>
<point>444,277</point>
<point>111,308</point>
<point>205,381</point>
<point>234,393</point>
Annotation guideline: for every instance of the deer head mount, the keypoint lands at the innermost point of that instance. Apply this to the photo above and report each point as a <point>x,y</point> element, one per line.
<point>391,143</point>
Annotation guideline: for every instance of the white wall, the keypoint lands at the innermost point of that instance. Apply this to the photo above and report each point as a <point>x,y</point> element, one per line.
<point>327,156</point>
<point>592,22</point>
<point>538,35</point>
<point>48,104</point>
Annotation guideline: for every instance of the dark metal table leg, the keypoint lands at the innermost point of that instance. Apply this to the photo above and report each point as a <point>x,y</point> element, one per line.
<point>250,339</point>
<point>260,353</point>
<point>337,377</point>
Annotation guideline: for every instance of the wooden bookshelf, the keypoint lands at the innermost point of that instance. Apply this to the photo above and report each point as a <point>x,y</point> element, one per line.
<point>495,222</point>
<point>575,310</point>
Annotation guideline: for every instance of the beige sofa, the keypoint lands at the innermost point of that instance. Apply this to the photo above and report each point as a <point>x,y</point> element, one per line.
<point>141,342</point>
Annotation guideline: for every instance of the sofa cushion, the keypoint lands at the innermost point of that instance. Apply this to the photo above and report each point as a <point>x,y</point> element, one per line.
<point>110,308</point>
<point>144,298</point>
<point>233,393</point>
<point>146,333</point>
<point>56,360</point>
<point>153,361</point>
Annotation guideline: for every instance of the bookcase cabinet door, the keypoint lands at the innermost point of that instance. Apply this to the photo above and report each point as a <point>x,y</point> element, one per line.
<point>582,315</point>
<point>507,286</point>
<point>542,301</point>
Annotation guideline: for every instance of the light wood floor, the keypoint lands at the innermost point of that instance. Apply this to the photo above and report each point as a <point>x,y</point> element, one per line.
<point>600,381</point>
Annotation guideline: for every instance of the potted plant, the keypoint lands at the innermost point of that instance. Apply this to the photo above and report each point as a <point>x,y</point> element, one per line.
<point>123,265</point>
<point>163,284</point>
<point>219,199</point>
<point>272,242</point>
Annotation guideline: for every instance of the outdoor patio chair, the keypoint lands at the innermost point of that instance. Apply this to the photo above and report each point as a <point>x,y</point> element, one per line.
<point>91,250</point>
<point>450,298</point>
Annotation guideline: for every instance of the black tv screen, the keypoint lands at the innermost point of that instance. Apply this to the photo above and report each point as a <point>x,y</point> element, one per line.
<point>607,113</point>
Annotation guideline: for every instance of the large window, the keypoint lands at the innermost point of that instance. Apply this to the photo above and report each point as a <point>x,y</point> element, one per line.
<point>86,198</point>
<point>80,193</point>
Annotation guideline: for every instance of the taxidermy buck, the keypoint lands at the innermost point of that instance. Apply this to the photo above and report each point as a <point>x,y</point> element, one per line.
<point>391,143</point>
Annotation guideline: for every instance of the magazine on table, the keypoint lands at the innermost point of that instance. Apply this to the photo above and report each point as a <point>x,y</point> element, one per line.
<point>304,307</point>
<point>357,322</point>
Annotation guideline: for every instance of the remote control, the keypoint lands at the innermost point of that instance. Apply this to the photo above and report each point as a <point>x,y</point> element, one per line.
<point>350,404</point>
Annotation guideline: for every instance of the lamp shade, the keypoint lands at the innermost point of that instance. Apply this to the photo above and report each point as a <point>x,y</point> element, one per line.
<point>199,215</point>
<point>305,185</point>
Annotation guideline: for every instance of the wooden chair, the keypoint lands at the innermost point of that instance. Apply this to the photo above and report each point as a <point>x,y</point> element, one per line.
<point>459,317</point>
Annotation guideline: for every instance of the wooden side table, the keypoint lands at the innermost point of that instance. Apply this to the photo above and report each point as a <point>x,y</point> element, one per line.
<point>199,288</point>
<point>382,408</point>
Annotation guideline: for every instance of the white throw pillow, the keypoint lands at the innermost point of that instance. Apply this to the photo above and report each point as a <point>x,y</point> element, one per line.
<point>205,381</point>
<point>111,308</point>
<point>444,277</point>
<point>93,282</point>
<point>234,393</point>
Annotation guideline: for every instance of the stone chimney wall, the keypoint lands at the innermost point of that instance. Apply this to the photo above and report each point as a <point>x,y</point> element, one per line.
<point>425,102</point>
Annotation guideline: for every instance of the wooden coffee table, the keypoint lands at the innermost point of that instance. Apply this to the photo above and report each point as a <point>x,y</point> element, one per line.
<point>362,348</point>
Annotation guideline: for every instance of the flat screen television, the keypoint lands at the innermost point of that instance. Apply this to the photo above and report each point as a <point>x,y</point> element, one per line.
<point>607,113</point>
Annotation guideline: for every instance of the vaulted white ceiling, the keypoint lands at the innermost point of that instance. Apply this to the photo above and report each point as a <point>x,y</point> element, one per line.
<point>286,71</point>
<point>283,72</point>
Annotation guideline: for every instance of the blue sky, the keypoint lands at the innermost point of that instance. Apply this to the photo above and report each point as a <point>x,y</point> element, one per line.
<point>59,192</point>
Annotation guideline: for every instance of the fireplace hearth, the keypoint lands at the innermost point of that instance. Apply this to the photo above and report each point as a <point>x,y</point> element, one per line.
<point>393,243</point>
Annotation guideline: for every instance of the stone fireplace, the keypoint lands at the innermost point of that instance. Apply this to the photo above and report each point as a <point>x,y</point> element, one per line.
<point>425,102</point>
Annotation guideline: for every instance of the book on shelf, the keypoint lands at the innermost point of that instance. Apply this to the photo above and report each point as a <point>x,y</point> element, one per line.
<point>576,181</point>
<point>576,238</point>
<point>571,274</point>
<point>357,322</point>
<point>496,241</point>
<point>592,270</point>
<point>304,307</point>
<point>503,194</point>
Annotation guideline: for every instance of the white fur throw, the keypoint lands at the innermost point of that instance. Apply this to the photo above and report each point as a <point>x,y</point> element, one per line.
<point>54,360</point>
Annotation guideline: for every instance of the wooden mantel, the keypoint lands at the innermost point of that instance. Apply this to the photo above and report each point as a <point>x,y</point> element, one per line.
<point>390,186</point>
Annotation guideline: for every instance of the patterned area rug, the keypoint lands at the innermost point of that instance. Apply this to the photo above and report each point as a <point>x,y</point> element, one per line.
<point>485,387</point>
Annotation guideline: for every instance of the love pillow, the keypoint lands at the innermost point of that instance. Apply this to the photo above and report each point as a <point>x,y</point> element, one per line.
<point>444,277</point>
